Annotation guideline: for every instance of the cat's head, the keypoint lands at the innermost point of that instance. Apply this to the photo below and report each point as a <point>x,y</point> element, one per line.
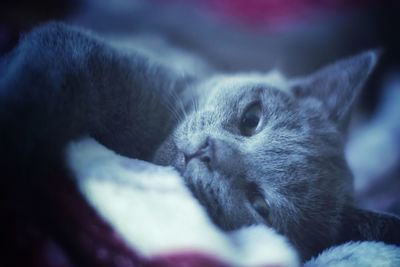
<point>261,149</point>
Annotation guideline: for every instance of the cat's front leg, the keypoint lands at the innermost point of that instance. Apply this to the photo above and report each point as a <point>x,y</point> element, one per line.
<point>58,84</point>
<point>62,82</point>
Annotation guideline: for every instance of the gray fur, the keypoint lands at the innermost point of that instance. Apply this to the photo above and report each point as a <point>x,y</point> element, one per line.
<point>355,254</point>
<point>62,82</point>
<point>296,160</point>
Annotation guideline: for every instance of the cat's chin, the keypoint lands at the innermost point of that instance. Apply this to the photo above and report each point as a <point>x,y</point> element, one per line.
<point>214,189</point>
<point>197,167</point>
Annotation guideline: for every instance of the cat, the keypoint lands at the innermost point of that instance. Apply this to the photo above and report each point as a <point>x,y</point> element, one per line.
<point>254,148</point>
<point>262,149</point>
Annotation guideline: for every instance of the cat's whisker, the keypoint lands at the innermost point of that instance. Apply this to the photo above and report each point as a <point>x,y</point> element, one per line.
<point>178,106</point>
<point>171,108</point>
<point>174,104</point>
<point>179,116</point>
<point>195,103</point>
<point>182,106</point>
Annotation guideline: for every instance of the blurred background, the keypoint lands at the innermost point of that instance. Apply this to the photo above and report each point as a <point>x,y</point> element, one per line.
<point>294,36</point>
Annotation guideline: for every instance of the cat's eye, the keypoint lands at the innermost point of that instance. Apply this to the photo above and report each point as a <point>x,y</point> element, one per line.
<point>261,206</point>
<point>250,120</point>
<point>258,201</point>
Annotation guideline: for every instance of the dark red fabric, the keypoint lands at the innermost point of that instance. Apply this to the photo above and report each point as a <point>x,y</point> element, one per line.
<point>185,259</point>
<point>51,225</point>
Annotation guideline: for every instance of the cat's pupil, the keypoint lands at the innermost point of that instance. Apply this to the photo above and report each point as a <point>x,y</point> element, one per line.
<point>250,120</point>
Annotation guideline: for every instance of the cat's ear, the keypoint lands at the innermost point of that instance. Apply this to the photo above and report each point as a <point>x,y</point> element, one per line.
<point>338,85</point>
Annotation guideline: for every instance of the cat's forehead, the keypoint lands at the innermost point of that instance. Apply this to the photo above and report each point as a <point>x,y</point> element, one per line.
<point>225,89</point>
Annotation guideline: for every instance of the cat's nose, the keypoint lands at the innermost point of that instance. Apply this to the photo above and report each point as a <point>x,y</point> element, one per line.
<point>203,152</point>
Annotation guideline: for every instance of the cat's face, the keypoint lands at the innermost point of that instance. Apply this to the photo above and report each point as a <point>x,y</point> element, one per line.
<point>256,149</point>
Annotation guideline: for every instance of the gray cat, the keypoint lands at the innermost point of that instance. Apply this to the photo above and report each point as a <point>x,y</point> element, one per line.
<point>253,148</point>
<point>261,149</point>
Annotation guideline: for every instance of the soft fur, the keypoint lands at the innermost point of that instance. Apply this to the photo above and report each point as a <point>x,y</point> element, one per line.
<point>62,82</point>
<point>155,213</point>
<point>353,254</point>
<point>295,160</point>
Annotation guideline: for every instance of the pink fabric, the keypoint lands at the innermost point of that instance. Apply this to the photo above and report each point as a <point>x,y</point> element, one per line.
<point>276,13</point>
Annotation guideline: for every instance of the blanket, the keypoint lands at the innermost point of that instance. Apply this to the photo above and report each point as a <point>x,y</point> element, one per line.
<point>152,210</point>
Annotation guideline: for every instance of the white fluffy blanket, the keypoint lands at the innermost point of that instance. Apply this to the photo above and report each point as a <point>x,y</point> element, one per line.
<point>150,207</point>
